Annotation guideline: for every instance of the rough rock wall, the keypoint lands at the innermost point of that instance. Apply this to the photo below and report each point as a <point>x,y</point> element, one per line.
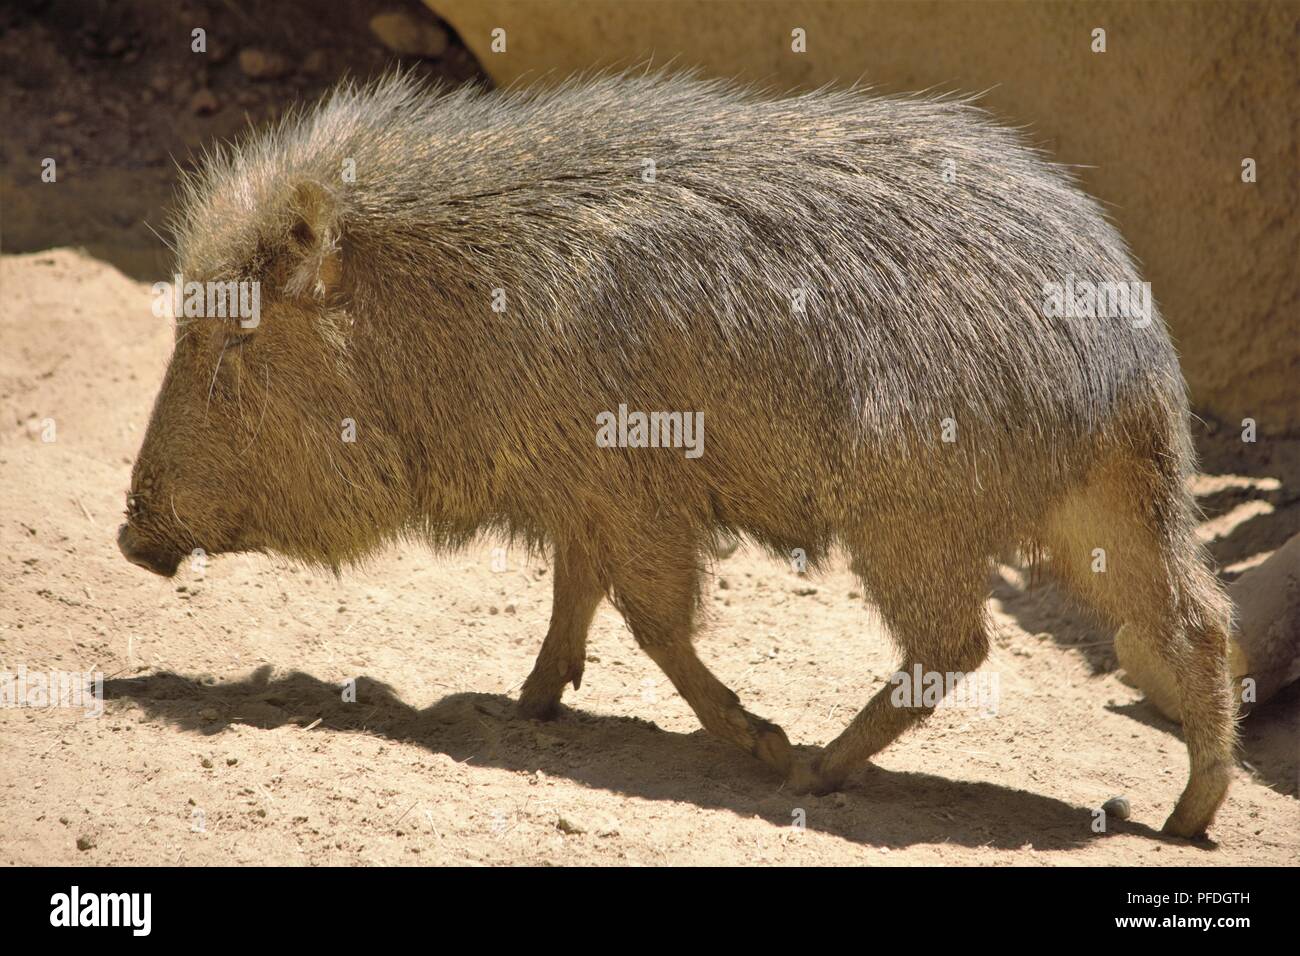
<point>1164,118</point>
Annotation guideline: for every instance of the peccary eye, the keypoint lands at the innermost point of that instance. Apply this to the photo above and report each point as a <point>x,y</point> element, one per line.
<point>135,502</point>
<point>302,234</point>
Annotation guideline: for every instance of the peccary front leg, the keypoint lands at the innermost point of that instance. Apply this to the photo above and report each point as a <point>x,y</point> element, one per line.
<point>578,592</point>
<point>718,707</point>
<point>658,605</point>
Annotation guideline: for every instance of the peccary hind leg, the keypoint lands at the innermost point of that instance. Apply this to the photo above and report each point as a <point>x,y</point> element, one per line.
<point>935,614</point>
<point>1125,545</point>
<point>578,591</point>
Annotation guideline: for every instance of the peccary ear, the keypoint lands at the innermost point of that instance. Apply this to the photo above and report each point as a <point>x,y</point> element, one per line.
<point>313,249</point>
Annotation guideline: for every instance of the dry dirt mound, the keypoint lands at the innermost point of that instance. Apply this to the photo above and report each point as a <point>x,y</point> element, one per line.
<point>226,737</point>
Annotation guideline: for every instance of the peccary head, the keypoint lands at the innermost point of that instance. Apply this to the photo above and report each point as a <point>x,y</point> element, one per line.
<point>249,445</point>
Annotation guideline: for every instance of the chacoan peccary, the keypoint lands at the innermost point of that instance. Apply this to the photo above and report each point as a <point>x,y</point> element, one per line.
<point>850,290</point>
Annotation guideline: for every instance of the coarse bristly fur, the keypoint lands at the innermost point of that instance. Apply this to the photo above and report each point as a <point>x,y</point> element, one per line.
<point>386,223</point>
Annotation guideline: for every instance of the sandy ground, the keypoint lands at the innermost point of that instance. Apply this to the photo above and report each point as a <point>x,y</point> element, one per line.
<point>226,738</point>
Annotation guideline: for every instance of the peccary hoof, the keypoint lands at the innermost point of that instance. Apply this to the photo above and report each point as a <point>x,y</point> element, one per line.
<point>535,708</point>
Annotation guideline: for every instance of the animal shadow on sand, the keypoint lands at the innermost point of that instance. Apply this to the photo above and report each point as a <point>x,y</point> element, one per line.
<point>879,808</point>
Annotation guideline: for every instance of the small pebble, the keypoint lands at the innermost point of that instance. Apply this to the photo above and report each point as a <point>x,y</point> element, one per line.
<point>1117,807</point>
<point>408,35</point>
<point>263,64</point>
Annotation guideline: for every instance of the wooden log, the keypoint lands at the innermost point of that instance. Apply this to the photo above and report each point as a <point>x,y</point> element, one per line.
<point>1264,653</point>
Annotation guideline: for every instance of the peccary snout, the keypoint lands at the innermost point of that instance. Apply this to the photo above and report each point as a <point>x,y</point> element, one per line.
<point>148,557</point>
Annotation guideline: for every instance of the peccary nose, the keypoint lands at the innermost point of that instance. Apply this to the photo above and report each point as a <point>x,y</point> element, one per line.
<point>151,559</point>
